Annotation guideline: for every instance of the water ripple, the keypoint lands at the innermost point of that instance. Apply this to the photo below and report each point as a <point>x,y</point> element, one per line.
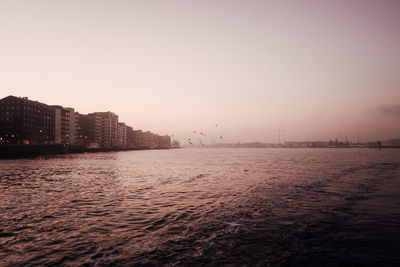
<point>202,207</point>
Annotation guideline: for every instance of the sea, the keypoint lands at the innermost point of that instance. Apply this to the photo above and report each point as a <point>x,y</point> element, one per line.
<point>203,207</point>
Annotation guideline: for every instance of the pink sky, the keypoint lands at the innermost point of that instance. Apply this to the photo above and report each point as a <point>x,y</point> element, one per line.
<point>317,70</point>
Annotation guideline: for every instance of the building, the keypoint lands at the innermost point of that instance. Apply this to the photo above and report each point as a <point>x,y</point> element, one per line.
<point>130,137</point>
<point>163,141</point>
<point>89,130</point>
<point>138,139</point>
<point>57,124</point>
<point>100,129</point>
<point>71,126</point>
<point>66,125</point>
<point>148,139</point>
<point>109,129</point>
<point>23,121</point>
<point>121,134</point>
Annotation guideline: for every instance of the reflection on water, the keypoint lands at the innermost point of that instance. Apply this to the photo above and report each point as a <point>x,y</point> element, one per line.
<point>203,207</point>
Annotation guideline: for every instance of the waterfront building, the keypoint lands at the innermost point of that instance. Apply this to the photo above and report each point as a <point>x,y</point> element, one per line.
<point>89,130</point>
<point>394,142</point>
<point>130,137</point>
<point>76,114</point>
<point>121,134</point>
<point>23,121</point>
<point>57,124</point>
<point>109,129</point>
<point>138,139</point>
<point>163,141</point>
<point>148,139</point>
<point>66,125</point>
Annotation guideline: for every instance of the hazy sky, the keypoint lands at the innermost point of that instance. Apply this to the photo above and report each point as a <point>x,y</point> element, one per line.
<point>315,69</point>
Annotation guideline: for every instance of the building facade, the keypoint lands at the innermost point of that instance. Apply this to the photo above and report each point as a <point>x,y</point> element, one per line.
<point>89,130</point>
<point>66,125</point>
<point>130,137</point>
<point>148,139</point>
<point>138,139</point>
<point>163,141</point>
<point>23,121</point>
<point>122,134</point>
<point>108,129</point>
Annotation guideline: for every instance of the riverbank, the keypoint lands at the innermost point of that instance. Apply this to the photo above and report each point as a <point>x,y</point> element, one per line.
<point>15,151</point>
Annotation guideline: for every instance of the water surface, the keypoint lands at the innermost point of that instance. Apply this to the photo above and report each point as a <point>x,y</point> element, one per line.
<point>203,207</point>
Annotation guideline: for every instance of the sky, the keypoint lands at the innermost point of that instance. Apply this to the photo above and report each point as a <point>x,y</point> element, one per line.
<point>311,70</point>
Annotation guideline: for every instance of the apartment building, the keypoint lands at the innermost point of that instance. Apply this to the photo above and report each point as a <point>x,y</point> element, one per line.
<point>109,129</point>
<point>89,130</point>
<point>66,125</point>
<point>122,142</point>
<point>23,121</point>
<point>130,137</point>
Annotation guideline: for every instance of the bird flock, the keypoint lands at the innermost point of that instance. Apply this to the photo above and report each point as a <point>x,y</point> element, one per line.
<point>201,134</point>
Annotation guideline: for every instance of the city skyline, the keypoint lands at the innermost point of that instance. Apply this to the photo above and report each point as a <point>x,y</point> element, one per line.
<point>308,70</point>
<point>24,121</point>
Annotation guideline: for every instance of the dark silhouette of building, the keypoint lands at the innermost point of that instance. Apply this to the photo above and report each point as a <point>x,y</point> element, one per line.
<point>89,130</point>
<point>130,137</point>
<point>122,140</point>
<point>23,121</point>
<point>98,129</point>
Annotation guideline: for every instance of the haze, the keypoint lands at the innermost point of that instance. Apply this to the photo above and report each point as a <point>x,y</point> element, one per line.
<point>317,70</point>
